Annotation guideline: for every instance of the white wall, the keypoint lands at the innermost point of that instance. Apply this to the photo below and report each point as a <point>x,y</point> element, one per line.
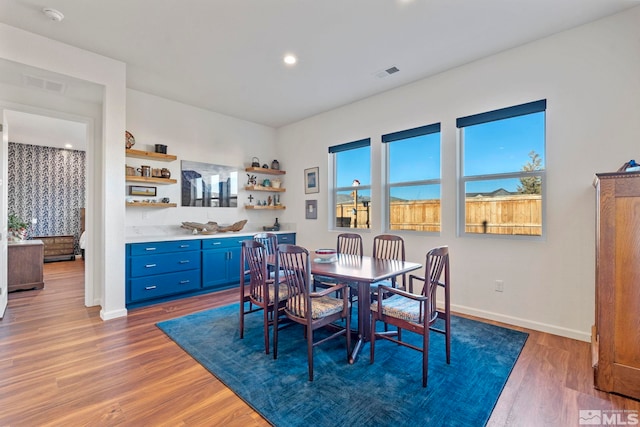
<point>197,135</point>
<point>105,221</point>
<point>590,77</point>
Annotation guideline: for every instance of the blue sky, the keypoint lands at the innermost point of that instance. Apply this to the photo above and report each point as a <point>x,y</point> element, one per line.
<point>493,147</point>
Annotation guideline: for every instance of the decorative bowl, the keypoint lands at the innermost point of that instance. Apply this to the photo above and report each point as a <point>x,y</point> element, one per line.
<point>325,254</point>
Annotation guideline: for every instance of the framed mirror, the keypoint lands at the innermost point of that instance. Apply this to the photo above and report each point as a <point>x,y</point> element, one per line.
<point>209,185</point>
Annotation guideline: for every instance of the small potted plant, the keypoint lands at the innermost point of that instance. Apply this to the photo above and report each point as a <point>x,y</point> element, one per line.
<point>17,228</point>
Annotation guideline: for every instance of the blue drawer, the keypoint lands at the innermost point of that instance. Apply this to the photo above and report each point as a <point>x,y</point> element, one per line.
<point>164,263</point>
<point>229,242</point>
<point>166,284</point>
<point>288,238</point>
<point>164,247</point>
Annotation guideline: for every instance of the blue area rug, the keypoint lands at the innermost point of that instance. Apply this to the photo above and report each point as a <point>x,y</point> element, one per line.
<point>386,393</point>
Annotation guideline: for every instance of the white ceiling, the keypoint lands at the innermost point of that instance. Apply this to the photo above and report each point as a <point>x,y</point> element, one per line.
<point>33,129</point>
<point>226,56</point>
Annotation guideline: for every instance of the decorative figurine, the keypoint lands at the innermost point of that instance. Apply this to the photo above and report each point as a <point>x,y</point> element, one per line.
<point>250,200</point>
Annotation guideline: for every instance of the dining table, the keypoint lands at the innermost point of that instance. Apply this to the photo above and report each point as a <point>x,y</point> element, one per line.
<point>363,270</point>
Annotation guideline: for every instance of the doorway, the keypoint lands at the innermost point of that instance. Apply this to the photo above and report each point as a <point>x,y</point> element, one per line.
<point>46,144</point>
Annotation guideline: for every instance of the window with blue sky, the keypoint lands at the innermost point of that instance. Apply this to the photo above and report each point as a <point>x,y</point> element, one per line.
<point>413,179</point>
<point>352,184</point>
<point>503,171</point>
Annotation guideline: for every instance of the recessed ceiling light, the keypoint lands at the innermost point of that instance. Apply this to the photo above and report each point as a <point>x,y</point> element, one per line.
<point>54,15</point>
<point>290,59</point>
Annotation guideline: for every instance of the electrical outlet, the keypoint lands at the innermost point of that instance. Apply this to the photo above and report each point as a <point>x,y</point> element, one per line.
<point>499,286</point>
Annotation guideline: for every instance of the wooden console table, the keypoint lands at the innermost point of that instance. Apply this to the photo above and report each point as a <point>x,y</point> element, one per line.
<point>25,263</point>
<point>58,248</point>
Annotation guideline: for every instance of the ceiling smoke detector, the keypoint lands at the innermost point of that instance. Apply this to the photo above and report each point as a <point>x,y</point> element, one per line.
<point>54,15</point>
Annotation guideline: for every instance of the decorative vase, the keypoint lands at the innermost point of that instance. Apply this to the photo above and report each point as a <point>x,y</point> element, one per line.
<point>17,235</point>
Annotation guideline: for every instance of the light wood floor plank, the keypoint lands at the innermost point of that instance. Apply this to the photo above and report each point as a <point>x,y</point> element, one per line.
<point>60,364</point>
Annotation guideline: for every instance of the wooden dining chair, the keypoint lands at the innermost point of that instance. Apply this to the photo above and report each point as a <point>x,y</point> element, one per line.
<point>416,312</point>
<point>269,240</point>
<point>350,244</point>
<point>389,246</point>
<point>313,310</point>
<point>261,293</point>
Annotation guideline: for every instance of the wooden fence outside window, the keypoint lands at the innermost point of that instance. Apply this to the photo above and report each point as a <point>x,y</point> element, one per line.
<point>516,214</point>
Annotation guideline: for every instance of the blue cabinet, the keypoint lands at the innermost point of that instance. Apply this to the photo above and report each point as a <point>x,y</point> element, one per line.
<point>288,238</point>
<point>160,271</point>
<point>221,261</point>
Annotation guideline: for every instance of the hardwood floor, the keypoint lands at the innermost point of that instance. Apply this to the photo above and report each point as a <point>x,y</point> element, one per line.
<point>60,365</point>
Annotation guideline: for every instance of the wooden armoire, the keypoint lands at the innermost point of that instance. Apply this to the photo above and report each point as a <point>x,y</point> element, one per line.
<point>615,339</point>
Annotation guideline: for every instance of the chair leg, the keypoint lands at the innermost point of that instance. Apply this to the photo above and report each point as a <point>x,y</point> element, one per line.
<point>310,351</point>
<point>348,334</point>
<point>425,356</point>
<point>241,319</point>
<point>447,337</point>
<point>372,339</point>
<point>265,326</point>
<point>275,331</point>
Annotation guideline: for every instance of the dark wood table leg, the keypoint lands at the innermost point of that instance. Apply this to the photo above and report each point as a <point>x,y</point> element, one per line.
<point>364,319</point>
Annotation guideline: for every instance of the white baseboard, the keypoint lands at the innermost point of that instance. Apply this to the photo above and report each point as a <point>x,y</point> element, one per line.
<point>525,323</point>
<point>114,314</point>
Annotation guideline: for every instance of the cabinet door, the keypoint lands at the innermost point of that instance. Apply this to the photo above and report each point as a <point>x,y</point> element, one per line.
<point>233,265</point>
<point>214,267</point>
<point>220,267</point>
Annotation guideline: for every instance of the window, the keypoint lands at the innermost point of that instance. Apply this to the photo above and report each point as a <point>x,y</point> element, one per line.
<point>413,179</point>
<point>352,184</point>
<point>502,183</point>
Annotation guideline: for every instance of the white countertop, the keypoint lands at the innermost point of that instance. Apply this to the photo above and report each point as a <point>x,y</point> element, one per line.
<point>173,233</point>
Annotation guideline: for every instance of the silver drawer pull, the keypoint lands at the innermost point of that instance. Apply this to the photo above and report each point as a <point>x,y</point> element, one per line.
<point>149,288</point>
<point>149,249</point>
<point>184,282</point>
<point>184,246</point>
<point>217,243</point>
<point>150,265</point>
<point>184,261</point>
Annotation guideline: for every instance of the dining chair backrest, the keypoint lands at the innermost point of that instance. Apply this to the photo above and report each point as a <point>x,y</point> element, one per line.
<point>436,274</point>
<point>269,240</point>
<point>388,246</point>
<point>349,243</point>
<point>253,254</point>
<point>293,262</point>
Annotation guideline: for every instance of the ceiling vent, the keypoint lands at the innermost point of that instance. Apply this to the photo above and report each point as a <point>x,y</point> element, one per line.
<point>387,72</point>
<point>43,84</point>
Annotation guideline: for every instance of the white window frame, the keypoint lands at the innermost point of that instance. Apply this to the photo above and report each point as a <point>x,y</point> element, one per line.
<point>389,139</point>
<point>501,114</point>
<point>333,150</point>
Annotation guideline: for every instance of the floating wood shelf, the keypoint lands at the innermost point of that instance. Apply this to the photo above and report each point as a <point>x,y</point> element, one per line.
<point>139,154</point>
<point>152,205</point>
<point>263,188</point>
<point>264,207</point>
<point>266,171</point>
<point>149,180</point>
